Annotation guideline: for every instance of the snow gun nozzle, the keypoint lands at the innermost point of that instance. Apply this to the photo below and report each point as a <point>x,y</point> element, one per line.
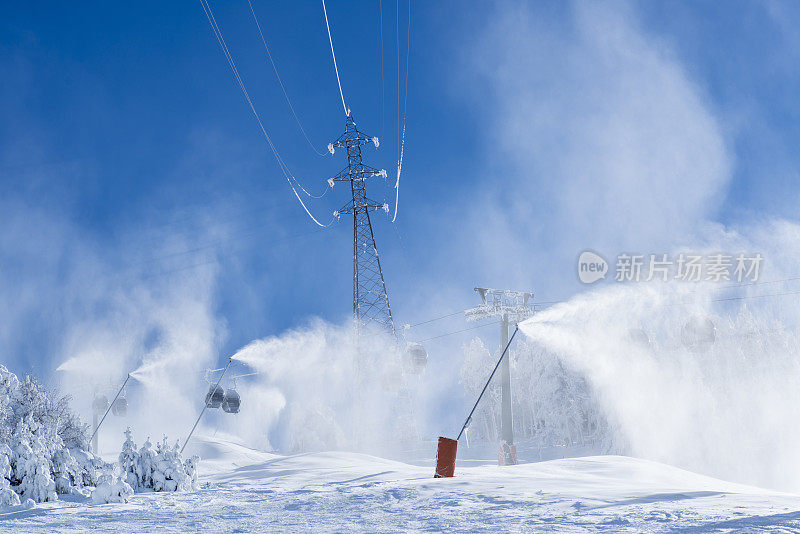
<point>446,458</point>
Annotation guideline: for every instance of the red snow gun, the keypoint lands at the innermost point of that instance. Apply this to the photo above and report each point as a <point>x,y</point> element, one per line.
<point>446,452</point>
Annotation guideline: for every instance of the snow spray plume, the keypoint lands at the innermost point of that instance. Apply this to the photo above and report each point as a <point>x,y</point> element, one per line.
<point>727,408</point>
<point>318,390</point>
<point>97,312</point>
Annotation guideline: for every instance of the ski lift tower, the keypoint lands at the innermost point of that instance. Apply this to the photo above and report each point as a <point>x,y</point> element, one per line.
<point>370,299</point>
<point>510,306</point>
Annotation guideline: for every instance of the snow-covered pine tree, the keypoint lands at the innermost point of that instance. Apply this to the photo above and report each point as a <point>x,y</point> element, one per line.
<point>553,405</point>
<point>111,489</point>
<point>146,465</point>
<point>8,497</point>
<point>40,440</point>
<point>170,474</point>
<point>159,469</point>
<point>32,463</point>
<point>128,461</point>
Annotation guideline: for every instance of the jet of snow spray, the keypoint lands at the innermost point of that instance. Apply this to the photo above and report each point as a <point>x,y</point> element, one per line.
<point>320,393</point>
<point>729,410</point>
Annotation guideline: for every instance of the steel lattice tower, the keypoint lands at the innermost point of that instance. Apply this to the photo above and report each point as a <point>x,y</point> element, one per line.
<point>370,300</point>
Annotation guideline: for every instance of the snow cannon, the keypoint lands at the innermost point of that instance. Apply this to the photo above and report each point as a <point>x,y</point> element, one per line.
<point>120,407</point>
<point>100,404</point>
<point>446,458</point>
<point>215,396</point>
<point>415,358</point>
<point>698,334</point>
<point>231,402</point>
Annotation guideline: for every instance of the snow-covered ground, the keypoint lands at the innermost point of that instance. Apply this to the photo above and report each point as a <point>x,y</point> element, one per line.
<point>244,490</point>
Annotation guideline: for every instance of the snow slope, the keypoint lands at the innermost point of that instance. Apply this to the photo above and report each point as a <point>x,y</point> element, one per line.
<point>251,491</point>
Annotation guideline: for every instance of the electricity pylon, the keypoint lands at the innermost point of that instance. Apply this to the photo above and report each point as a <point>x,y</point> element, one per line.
<point>370,300</point>
<point>510,306</point>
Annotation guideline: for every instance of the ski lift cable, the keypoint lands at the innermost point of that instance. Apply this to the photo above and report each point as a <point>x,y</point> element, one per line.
<point>333,55</point>
<point>732,286</point>
<point>221,40</point>
<point>459,331</point>
<point>242,233</point>
<point>459,312</point>
<point>278,76</point>
<point>548,303</point>
<point>747,297</point>
<point>213,260</point>
<point>405,107</point>
<point>758,283</point>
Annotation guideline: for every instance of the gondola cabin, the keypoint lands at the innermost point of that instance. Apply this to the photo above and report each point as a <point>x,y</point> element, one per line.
<point>120,407</point>
<point>215,396</point>
<point>231,402</point>
<point>415,358</point>
<point>100,404</point>
<point>698,334</point>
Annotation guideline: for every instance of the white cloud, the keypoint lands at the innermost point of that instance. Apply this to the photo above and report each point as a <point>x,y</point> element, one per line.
<point>600,137</point>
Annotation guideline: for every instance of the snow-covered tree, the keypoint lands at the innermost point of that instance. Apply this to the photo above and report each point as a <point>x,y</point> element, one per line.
<point>41,443</point>
<point>146,465</point>
<point>8,497</point>
<point>552,404</point>
<point>111,490</point>
<point>128,461</point>
<point>478,364</point>
<point>159,469</point>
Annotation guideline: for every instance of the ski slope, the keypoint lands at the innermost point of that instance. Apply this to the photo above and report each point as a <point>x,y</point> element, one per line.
<point>244,490</point>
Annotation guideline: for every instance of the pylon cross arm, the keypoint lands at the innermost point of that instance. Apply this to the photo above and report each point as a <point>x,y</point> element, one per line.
<point>349,139</point>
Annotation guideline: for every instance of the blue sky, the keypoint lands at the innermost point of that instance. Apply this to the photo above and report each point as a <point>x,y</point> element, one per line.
<point>124,141</point>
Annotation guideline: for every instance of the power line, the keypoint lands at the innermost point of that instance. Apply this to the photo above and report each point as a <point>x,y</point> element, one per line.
<point>333,54</point>
<point>405,106</point>
<point>284,169</point>
<point>383,83</point>
<point>275,70</point>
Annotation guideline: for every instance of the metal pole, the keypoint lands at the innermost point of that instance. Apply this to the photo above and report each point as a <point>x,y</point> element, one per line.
<point>516,329</point>
<point>505,385</point>
<point>97,426</point>
<point>94,443</point>
<point>206,405</point>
